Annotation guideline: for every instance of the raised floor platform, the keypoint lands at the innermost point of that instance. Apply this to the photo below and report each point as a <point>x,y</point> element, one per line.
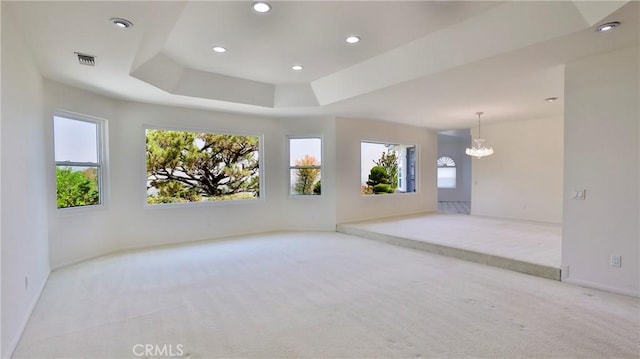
<point>522,246</point>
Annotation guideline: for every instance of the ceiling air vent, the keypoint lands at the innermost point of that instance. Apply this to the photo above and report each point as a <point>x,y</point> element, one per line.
<point>86,60</point>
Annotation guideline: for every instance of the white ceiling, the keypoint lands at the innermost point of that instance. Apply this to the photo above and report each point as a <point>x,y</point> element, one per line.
<point>426,63</point>
<point>263,47</point>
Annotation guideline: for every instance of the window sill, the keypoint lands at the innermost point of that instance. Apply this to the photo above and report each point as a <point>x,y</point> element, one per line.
<point>80,210</point>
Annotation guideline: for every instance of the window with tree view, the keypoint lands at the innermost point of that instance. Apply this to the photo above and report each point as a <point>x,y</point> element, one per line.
<point>187,167</point>
<point>387,168</point>
<point>305,166</point>
<point>77,148</point>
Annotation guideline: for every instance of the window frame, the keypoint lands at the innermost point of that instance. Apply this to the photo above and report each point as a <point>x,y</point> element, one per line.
<point>101,154</point>
<point>293,167</point>
<point>261,167</point>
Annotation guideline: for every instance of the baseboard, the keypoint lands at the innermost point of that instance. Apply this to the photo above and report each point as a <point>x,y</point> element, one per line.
<point>166,245</point>
<point>587,284</point>
<point>14,343</point>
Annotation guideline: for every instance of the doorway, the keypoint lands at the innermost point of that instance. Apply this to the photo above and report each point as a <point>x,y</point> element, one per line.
<point>454,172</point>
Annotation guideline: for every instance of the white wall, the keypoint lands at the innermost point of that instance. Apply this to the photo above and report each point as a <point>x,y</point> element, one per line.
<point>127,223</point>
<point>601,155</point>
<point>24,200</point>
<point>523,178</point>
<point>76,234</point>
<point>350,205</point>
<point>313,212</point>
<point>454,147</point>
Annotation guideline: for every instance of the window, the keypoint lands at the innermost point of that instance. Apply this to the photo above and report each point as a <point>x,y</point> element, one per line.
<point>446,172</point>
<point>387,168</point>
<point>305,166</point>
<point>78,157</point>
<point>189,166</point>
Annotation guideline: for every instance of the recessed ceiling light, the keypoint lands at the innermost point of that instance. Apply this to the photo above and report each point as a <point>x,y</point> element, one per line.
<point>297,67</point>
<point>352,39</point>
<point>551,99</point>
<point>121,23</point>
<point>261,6</point>
<point>608,26</point>
<point>219,49</point>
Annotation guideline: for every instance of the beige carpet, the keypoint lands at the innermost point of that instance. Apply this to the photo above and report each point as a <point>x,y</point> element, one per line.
<point>533,242</point>
<point>320,295</point>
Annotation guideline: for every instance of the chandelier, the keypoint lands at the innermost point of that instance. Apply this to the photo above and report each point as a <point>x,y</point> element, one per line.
<point>479,150</point>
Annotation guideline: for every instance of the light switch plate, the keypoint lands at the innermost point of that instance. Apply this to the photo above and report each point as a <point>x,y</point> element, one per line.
<point>616,261</point>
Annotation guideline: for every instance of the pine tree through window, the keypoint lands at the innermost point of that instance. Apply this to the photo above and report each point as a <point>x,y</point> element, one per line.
<point>387,168</point>
<point>188,167</point>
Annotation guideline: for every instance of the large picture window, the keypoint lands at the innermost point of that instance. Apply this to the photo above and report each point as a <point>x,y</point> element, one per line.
<point>305,166</point>
<point>78,156</point>
<point>387,168</point>
<point>188,166</point>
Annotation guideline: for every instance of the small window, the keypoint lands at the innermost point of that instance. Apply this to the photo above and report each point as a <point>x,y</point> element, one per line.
<point>387,168</point>
<point>446,172</point>
<point>305,166</point>
<point>189,166</point>
<point>78,157</point>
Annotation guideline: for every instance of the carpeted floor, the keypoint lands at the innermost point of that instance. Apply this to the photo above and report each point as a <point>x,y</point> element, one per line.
<point>533,242</point>
<point>320,295</point>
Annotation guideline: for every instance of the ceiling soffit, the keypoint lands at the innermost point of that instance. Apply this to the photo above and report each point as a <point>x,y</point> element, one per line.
<point>498,30</point>
<point>170,76</point>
